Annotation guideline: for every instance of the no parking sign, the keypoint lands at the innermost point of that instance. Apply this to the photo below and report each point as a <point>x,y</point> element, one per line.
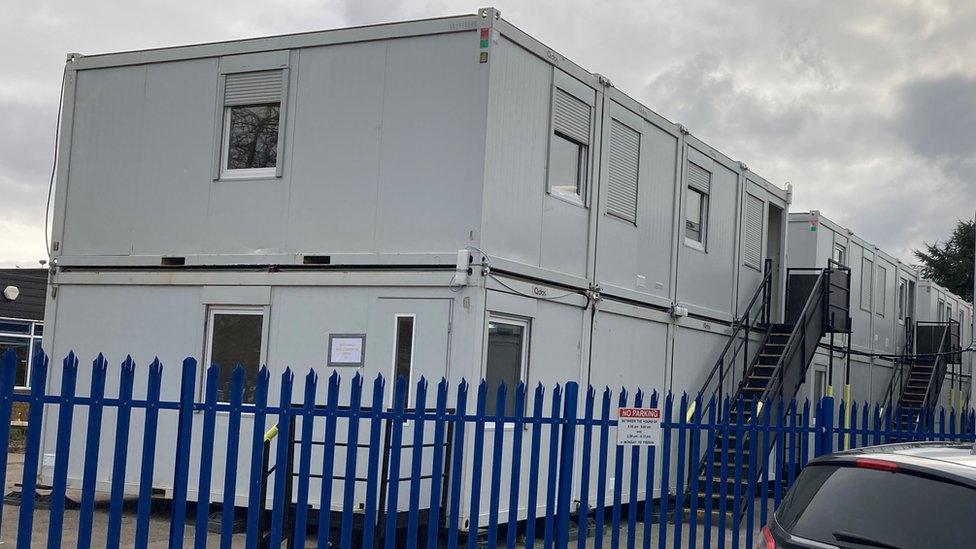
<point>638,426</point>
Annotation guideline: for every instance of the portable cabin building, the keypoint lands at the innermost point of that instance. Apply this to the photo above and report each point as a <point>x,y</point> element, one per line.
<point>265,201</point>
<point>888,297</point>
<point>22,298</point>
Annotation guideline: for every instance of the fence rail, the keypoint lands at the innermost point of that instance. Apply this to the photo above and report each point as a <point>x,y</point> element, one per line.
<point>439,471</point>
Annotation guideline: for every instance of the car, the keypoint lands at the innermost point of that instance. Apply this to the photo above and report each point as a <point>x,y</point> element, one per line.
<point>896,496</point>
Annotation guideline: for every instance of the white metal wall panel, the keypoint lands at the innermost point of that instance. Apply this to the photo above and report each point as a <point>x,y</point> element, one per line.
<point>253,88</point>
<point>623,169</point>
<point>570,116</point>
<point>752,241</point>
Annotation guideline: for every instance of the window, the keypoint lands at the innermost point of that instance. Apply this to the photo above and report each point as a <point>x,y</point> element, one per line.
<point>882,290</point>
<point>941,310</point>
<point>624,171</point>
<point>235,336</point>
<point>24,338</point>
<point>902,297</point>
<point>752,243</point>
<point>506,360</point>
<point>696,206</point>
<point>403,353</point>
<point>867,268</point>
<point>839,254</point>
<point>569,146</point>
<point>252,110</point>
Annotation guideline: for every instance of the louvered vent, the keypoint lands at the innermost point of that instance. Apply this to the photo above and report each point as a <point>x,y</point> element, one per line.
<point>752,243</point>
<point>571,117</point>
<point>253,88</point>
<point>698,177</point>
<point>623,167</point>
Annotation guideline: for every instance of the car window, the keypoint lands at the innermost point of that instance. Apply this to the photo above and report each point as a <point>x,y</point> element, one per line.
<point>898,509</point>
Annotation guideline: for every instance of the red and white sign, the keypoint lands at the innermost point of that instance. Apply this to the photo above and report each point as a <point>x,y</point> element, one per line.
<point>638,426</point>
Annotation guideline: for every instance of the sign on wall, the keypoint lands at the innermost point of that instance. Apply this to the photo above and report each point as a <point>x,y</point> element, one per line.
<point>347,350</point>
<point>639,427</point>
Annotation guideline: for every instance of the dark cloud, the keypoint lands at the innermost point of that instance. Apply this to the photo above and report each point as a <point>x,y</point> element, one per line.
<point>937,120</point>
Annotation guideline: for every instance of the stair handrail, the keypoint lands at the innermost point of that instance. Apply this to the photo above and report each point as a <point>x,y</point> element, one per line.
<point>939,367</point>
<point>898,377</point>
<point>818,295</point>
<point>743,323</point>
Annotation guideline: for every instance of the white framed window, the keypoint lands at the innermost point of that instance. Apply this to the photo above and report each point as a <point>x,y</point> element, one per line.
<point>882,289</point>
<point>696,206</point>
<point>24,338</point>
<point>236,335</point>
<point>752,240</point>
<point>867,271</point>
<point>250,137</point>
<point>839,254</point>
<point>506,359</point>
<point>569,149</point>
<point>902,299</point>
<point>404,330</point>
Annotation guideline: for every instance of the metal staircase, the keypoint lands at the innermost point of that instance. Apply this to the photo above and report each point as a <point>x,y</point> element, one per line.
<point>817,303</point>
<point>919,383</point>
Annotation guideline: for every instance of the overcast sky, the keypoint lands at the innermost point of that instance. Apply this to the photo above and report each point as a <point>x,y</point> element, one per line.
<point>867,107</point>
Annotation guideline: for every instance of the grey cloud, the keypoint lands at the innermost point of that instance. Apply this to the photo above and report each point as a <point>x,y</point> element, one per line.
<point>938,121</point>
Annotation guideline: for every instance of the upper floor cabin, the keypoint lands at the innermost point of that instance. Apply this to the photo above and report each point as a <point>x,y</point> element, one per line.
<point>398,145</point>
<point>884,291</point>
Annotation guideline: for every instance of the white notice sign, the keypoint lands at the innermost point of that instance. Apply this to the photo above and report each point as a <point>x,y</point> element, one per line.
<point>346,350</point>
<point>639,427</point>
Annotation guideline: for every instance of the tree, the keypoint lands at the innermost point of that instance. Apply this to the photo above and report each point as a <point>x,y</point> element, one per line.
<point>950,263</point>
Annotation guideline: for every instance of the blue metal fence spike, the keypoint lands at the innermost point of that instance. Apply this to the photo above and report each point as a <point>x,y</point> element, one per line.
<point>457,455</point>
<point>601,479</point>
<point>92,440</point>
<point>724,431</point>
<point>69,375</point>
<point>737,487</point>
<point>229,505</point>
<point>305,459</point>
<point>680,468</point>
<point>635,469</point>
<point>437,469</point>
<point>121,452</point>
<point>181,472</point>
<point>35,414</point>
<point>666,428</point>
<point>416,460</point>
<point>618,472</point>
<point>282,472</point>
<point>396,455</point>
<point>478,465</point>
<point>709,472</point>
<point>372,461</point>
<point>148,454</point>
<point>582,516</point>
<point>535,448</point>
<point>328,461</point>
<point>206,457</point>
<point>8,379</point>
<point>496,469</point>
<point>551,478</point>
<point>567,454</point>
<point>695,454</point>
<point>255,493</point>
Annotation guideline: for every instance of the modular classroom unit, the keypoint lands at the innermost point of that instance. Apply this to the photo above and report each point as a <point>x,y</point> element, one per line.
<point>300,201</point>
<point>885,294</point>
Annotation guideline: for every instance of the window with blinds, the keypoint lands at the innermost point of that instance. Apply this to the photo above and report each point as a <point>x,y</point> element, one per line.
<point>252,110</point>
<point>623,167</point>
<point>752,240</point>
<point>696,205</point>
<point>569,145</point>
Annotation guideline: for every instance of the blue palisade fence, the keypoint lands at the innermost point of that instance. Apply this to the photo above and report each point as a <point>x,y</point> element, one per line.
<point>352,465</point>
